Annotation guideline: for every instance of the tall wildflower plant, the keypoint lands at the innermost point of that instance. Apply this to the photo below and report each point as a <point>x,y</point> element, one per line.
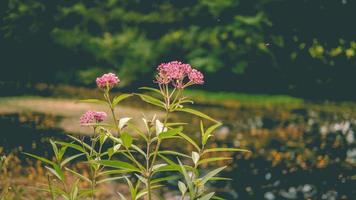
<point>142,167</point>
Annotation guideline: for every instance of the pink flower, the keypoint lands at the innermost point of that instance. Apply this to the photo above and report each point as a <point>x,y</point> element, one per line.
<point>196,77</point>
<point>100,116</point>
<point>175,72</point>
<point>92,117</point>
<point>107,80</point>
<point>172,71</point>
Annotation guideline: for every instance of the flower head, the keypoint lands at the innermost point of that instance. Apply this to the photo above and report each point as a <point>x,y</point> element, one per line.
<point>107,80</point>
<point>100,116</point>
<point>92,117</point>
<point>175,72</point>
<point>196,77</point>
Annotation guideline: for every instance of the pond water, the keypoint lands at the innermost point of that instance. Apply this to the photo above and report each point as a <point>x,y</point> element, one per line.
<point>304,152</point>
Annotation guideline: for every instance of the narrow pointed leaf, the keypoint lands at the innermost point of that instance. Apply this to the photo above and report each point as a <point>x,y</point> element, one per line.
<point>211,174</point>
<point>55,172</point>
<point>150,89</point>
<point>187,179</point>
<point>207,196</point>
<point>225,149</point>
<point>138,150</point>
<point>182,188</point>
<point>213,159</point>
<point>170,133</point>
<point>168,178</point>
<point>168,152</point>
<point>73,146</point>
<point>79,175</point>
<point>197,113</point>
<point>109,179</point>
<point>208,132</point>
<point>40,158</point>
<point>120,98</point>
<point>190,140</point>
<point>151,100</point>
<point>67,160</point>
<point>118,164</point>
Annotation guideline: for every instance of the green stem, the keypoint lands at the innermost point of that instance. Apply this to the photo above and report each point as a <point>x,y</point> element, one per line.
<point>149,194</point>
<point>112,109</point>
<point>93,168</point>
<point>50,187</point>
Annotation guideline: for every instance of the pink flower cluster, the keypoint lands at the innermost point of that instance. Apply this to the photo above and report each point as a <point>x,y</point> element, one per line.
<point>92,117</point>
<point>107,80</point>
<point>196,77</point>
<point>175,72</point>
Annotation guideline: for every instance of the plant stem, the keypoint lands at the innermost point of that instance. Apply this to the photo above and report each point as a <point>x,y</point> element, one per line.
<point>93,185</point>
<point>50,187</point>
<point>93,170</point>
<point>112,109</point>
<point>148,167</point>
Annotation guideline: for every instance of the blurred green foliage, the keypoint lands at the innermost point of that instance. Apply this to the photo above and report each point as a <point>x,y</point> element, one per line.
<point>305,48</point>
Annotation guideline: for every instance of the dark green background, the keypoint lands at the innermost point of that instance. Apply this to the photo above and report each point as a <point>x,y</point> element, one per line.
<point>304,48</point>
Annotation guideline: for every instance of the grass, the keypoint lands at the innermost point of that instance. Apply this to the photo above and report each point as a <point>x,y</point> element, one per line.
<point>240,99</point>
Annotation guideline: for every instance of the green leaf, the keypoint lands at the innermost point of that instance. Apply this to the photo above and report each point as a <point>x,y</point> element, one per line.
<point>73,146</point>
<point>170,133</point>
<point>59,171</point>
<point>207,196</point>
<point>116,171</point>
<point>109,179</point>
<point>74,191</point>
<point>122,197</point>
<point>220,179</point>
<point>138,150</point>
<point>65,161</point>
<point>197,113</point>
<point>195,157</point>
<point>138,131</point>
<point>187,179</point>
<point>55,150</point>
<point>169,161</point>
<point>144,192</point>
<point>172,153</point>
<point>211,174</point>
<point>142,179</point>
<point>208,160</point>
<point>79,175</point>
<point>120,98</point>
<point>118,164</point>
<point>151,100</point>
<point>208,132</point>
<point>202,128</point>
<point>150,89</point>
<point>217,198</point>
<point>168,178</point>
<point>225,150</point>
<point>126,139</point>
<point>40,158</point>
<point>168,168</point>
<point>82,143</point>
<point>56,171</point>
<point>61,153</point>
<point>93,101</point>
<point>182,187</point>
<point>133,191</point>
<point>158,166</point>
<point>84,193</point>
<point>190,140</point>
